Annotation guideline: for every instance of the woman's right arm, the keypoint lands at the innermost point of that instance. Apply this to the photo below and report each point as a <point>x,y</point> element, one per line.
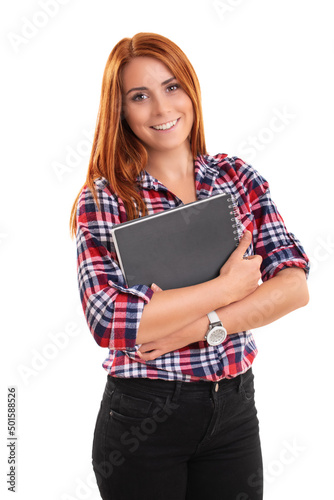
<point>172,310</point>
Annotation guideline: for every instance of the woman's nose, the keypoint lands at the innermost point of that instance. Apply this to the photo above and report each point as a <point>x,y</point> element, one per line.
<point>160,105</point>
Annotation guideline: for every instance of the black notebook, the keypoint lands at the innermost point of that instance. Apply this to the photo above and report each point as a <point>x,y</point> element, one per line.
<point>178,247</point>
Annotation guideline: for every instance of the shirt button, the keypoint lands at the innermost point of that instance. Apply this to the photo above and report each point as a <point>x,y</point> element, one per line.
<point>216,387</point>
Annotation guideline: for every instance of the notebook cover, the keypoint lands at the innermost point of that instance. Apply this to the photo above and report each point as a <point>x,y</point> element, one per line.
<point>179,247</point>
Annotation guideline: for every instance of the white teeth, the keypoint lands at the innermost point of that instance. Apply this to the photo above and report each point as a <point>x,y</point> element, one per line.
<point>165,126</point>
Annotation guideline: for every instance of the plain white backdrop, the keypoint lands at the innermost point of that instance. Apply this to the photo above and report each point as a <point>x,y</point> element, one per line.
<point>266,73</point>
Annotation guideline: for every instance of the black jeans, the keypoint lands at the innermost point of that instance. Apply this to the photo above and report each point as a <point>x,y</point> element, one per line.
<point>165,440</point>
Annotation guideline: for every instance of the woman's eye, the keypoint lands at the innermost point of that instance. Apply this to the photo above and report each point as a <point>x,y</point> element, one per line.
<point>139,97</point>
<point>172,88</point>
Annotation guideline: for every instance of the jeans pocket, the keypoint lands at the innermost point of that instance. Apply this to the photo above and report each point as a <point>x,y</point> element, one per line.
<point>129,408</point>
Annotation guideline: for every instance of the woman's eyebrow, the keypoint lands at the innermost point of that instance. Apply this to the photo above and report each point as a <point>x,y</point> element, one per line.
<point>145,88</point>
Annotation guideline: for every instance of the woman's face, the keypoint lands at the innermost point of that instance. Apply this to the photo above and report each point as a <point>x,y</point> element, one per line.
<point>156,108</point>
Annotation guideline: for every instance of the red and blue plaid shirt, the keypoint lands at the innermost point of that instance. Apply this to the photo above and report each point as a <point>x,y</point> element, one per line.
<point>113,311</point>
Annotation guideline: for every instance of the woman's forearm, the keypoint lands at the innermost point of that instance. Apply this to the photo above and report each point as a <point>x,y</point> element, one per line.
<point>173,310</point>
<point>275,298</point>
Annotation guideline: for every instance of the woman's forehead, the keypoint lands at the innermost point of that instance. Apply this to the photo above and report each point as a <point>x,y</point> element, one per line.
<point>144,71</point>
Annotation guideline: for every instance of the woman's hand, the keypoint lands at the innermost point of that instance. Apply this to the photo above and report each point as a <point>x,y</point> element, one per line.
<point>242,274</point>
<point>157,348</point>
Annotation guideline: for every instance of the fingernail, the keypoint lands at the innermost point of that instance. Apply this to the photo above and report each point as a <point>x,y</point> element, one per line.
<point>154,287</point>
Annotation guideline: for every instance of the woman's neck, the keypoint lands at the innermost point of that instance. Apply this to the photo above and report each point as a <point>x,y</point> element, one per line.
<point>171,166</point>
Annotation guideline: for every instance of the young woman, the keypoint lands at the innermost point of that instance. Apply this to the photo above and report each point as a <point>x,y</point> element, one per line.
<point>177,419</point>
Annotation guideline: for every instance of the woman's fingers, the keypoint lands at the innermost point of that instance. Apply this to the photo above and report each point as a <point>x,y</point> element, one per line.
<point>156,288</point>
<point>244,243</point>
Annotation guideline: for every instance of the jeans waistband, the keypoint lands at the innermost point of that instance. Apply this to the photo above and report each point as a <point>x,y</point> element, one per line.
<point>170,386</point>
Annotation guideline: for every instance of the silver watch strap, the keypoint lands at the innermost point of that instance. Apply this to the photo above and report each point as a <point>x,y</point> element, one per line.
<point>213,317</point>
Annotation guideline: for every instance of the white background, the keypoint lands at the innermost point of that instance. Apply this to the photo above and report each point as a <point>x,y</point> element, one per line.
<point>254,59</point>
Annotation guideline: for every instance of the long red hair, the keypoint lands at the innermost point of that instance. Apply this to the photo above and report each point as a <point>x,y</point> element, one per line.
<point>117,153</point>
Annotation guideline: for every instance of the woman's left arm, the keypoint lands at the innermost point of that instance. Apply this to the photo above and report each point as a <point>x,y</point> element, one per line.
<point>273,299</point>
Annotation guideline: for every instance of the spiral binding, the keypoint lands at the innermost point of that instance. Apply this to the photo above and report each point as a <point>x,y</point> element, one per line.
<point>237,229</point>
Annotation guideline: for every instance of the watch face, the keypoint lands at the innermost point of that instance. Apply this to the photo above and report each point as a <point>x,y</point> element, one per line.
<point>216,336</point>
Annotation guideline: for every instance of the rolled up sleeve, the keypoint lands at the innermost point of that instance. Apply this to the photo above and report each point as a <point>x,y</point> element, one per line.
<point>112,310</point>
<point>278,247</point>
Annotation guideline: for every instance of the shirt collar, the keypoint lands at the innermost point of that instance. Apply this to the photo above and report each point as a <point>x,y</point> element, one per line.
<point>206,171</point>
<point>147,181</point>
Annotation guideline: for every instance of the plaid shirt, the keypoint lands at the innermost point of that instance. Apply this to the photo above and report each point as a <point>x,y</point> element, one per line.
<point>113,311</point>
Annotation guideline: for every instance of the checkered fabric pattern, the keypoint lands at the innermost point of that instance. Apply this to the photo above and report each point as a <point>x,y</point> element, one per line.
<point>113,311</point>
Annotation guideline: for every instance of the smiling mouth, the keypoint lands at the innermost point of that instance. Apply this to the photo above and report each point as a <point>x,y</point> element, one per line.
<point>165,126</point>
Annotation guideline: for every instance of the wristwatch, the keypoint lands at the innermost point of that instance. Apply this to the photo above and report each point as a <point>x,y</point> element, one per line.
<point>216,333</point>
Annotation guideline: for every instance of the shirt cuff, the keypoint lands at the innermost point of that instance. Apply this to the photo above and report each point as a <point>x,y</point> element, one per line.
<point>128,309</point>
<point>287,256</point>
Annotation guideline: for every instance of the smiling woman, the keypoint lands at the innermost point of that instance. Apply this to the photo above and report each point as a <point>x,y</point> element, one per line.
<point>178,418</point>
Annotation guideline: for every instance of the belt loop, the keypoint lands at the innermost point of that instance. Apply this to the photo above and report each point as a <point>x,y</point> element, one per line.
<point>177,390</point>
